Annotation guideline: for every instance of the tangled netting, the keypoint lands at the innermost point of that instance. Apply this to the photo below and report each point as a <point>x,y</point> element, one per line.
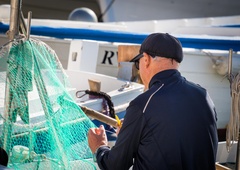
<point>233,127</point>
<point>41,127</point>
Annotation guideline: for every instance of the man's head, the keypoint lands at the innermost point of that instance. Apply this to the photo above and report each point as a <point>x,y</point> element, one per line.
<point>162,45</point>
<point>158,52</point>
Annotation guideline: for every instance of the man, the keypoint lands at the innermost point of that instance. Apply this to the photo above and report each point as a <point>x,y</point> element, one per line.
<point>171,126</point>
<point>3,159</point>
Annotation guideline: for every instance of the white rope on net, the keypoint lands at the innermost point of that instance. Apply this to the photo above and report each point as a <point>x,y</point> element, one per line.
<point>233,125</point>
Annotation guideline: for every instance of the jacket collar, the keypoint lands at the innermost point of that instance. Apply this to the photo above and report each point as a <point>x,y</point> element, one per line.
<point>165,77</point>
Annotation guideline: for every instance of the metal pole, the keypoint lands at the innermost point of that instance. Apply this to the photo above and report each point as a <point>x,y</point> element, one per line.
<point>237,156</point>
<point>230,67</point>
<point>29,24</point>
<point>14,18</point>
<point>13,32</point>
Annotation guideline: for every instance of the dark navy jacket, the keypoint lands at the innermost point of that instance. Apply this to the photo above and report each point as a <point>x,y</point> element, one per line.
<point>171,126</point>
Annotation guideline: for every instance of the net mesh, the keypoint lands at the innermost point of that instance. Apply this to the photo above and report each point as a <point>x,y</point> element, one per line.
<point>41,127</point>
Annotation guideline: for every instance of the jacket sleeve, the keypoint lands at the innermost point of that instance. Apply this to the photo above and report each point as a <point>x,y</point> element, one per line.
<point>121,156</point>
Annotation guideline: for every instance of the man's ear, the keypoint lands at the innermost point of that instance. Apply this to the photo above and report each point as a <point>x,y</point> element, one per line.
<point>147,60</point>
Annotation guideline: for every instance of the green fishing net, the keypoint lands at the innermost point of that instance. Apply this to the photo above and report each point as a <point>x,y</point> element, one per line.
<point>41,127</point>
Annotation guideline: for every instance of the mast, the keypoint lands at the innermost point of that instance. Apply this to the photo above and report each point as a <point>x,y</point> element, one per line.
<point>12,33</point>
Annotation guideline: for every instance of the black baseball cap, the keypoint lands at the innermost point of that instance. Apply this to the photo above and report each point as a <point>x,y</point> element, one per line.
<point>163,45</point>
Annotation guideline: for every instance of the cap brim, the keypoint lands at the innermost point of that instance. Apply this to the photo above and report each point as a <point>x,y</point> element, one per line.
<point>136,57</point>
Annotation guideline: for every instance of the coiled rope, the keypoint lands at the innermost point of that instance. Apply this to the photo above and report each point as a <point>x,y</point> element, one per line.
<point>106,98</point>
<point>232,132</point>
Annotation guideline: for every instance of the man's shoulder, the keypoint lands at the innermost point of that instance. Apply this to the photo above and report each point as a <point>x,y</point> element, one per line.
<point>196,86</point>
<point>142,97</point>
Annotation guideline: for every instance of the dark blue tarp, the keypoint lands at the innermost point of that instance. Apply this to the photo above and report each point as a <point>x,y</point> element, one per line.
<point>128,37</point>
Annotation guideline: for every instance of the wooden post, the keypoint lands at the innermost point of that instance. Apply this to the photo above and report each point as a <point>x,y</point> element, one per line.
<point>127,52</point>
<point>94,85</point>
<point>99,116</point>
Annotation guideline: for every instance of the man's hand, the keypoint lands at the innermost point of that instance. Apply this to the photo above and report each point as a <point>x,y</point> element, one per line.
<point>97,137</point>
